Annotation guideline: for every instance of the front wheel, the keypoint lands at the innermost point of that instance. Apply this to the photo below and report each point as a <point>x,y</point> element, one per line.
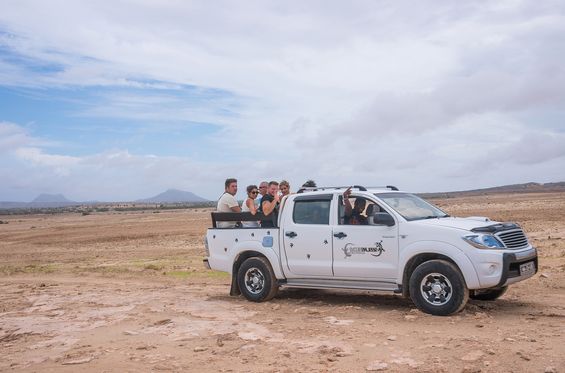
<point>438,288</point>
<point>488,294</point>
<point>256,280</point>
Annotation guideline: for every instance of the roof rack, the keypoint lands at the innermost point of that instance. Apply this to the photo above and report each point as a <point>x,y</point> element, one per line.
<point>358,187</point>
<point>391,187</point>
<point>312,189</point>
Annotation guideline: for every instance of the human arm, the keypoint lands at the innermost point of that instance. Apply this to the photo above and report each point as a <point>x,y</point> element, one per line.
<point>269,206</point>
<point>251,205</point>
<point>347,203</point>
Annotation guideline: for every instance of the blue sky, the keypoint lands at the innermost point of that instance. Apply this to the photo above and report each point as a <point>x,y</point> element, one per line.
<point>121,101</point>
<point>87,120</point>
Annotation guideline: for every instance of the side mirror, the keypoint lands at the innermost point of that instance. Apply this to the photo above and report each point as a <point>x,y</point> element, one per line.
<point>383,218</point>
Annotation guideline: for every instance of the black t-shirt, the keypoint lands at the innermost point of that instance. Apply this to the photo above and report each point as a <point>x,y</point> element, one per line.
<point>272,216</point>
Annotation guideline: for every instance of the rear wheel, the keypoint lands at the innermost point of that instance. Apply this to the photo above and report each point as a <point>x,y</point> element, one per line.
<point>256,280</point>
<point>438,288</point>
<point>488,294</point>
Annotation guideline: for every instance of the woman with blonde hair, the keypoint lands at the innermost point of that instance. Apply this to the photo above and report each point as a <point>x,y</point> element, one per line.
<point>284,187</point>
<point>249,206</point>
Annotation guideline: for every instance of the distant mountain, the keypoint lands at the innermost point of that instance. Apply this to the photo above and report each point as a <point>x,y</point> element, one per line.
<point>43,200</point>
<point>173,196</point>
<point>51,198</point>
<point>513,188</point>
<point>51,201</point>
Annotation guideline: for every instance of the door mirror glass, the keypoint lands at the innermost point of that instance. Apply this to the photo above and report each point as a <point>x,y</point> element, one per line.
<point>383,218</point>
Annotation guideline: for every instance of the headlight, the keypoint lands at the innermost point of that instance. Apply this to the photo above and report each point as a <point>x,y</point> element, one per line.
<point>483,241</point>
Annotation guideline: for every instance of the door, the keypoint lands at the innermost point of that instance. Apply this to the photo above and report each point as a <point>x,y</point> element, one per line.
<point>307,237</point>
<point>365,251</point>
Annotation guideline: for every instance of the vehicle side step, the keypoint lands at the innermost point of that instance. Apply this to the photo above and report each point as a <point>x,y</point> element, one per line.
<point>340,284</point>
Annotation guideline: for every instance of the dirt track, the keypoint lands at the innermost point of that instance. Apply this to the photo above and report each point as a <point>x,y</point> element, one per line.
<point>127,292</point>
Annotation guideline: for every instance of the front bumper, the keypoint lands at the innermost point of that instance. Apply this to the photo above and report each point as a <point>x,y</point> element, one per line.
<point>511,266</point>
<point>500,268</point>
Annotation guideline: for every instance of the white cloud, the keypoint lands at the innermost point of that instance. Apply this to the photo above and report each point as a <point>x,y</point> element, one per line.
<point>421,94</point>
<point>13,137</point>
<point>60,164</point>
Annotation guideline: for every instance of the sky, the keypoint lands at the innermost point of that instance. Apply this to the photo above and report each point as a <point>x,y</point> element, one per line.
<point>121,100</point>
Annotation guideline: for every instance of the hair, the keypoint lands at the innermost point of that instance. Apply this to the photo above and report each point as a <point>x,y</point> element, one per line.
<point>284,183</point>
<point>309,184</point>
<point>250,188</point>
<point>229,181</point>
<point>266,182</point>
<point>360,201</point>
<point>273,183</point>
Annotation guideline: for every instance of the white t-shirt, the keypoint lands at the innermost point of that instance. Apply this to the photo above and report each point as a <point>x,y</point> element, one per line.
<point>248,224</point>
<point>225,203</point>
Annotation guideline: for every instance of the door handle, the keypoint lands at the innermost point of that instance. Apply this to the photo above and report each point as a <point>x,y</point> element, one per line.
<point>340,235</point>
<point>290,234</point>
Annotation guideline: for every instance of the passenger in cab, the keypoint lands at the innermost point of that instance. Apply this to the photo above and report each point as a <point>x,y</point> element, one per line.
<point>353,215</point>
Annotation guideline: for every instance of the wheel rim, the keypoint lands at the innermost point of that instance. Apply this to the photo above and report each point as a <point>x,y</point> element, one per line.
<point>436,289</point>
<point>254,280</point>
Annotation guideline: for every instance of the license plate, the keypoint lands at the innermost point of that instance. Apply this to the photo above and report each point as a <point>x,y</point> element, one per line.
<point>527,269</point>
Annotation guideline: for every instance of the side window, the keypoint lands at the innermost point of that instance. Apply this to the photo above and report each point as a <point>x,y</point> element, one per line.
<point>311,212</point>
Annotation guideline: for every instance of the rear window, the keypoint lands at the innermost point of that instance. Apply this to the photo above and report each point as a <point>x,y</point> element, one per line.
<point>311,212</point>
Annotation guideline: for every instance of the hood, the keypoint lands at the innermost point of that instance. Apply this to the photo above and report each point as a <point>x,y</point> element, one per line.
<point>458,223</point>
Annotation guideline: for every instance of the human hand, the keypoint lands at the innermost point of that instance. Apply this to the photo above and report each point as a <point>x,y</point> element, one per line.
<point>347,193</point>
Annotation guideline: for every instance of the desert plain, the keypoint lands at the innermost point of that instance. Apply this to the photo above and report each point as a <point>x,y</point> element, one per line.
<point>127,292</point>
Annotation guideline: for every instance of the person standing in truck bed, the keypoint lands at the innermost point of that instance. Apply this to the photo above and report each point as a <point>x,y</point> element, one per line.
<point>269,205</point>
<point>284,187</point>
<point>249,206</point>
<point>228,203</point>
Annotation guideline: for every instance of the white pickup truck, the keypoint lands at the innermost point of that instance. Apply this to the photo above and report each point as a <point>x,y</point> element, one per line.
<point>406,246</point>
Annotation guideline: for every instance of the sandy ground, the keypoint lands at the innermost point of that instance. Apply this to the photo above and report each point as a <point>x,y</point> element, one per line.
<point>120,292</point>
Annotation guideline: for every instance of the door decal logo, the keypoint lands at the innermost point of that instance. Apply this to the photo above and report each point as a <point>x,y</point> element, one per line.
<point>349,249</point>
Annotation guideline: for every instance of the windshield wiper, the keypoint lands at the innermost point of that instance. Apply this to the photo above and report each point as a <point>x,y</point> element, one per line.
<point>434,217</point>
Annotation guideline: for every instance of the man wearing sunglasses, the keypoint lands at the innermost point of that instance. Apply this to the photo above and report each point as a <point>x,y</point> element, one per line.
<point>263,186</point>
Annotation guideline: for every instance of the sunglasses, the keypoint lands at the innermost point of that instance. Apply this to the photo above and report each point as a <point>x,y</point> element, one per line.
<point>254,192</point>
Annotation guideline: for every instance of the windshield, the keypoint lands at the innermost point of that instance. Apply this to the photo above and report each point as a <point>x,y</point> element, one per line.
<point>410,206</point>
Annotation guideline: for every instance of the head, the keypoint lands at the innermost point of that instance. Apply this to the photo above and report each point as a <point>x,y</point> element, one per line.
<point>309,184</point>
<point>252,191</point>
<point>359,204</point>
<point>263,187</point>
<point>231,186</point>
<point>284,187</point>
<point>273,188</point>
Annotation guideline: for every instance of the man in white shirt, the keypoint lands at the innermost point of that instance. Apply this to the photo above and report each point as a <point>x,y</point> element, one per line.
<point>228,203</point>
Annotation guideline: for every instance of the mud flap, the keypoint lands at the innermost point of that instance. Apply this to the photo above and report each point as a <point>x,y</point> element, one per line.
<point>234,290</point>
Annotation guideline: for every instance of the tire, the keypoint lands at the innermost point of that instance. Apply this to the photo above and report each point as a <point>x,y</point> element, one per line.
<point>437,287</point>
<point>256,280</point>
<point>488,294</point>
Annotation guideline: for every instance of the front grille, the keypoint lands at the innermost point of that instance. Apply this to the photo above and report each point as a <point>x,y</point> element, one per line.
<point>514,239</point>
